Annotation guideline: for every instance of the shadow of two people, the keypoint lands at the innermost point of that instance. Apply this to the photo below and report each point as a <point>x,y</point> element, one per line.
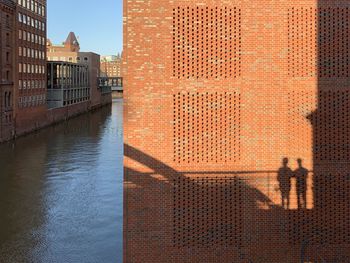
<point>285,176</point>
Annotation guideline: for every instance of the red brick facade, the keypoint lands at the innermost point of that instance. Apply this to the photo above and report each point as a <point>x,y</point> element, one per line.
<point>7,66</point>
<point>111,68</point>
<point>217,94</point>
<point>30,97</point>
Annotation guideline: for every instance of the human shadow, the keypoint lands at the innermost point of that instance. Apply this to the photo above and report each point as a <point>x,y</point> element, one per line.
<point>179,211</point>
<point>301,176</point>
<point>284,176</point>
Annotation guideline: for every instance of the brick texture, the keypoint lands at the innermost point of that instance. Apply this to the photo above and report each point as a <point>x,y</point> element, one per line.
<point>217,94</point>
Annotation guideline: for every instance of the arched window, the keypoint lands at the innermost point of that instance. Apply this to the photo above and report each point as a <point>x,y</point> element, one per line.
<point>8,39</point>
<point>5,100</point>
<point>9,102</point>
<point>7,75</point>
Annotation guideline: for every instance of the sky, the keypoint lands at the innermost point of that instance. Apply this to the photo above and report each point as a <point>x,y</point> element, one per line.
<point>97,23</point>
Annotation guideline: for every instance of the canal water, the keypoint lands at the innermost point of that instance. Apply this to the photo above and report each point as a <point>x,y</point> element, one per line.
<point>61,192</point>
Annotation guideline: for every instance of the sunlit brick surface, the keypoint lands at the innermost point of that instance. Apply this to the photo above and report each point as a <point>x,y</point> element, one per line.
<point>217,94</point>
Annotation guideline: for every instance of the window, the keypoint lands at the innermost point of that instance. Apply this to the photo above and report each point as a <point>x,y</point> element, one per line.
<point>9,104</point>
<point>8,39</point>
<point>7,20</point>
<point>5,100</point>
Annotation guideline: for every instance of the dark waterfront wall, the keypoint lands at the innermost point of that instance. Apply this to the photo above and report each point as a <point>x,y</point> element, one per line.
<point>237,131</point>
<point>53,116</point>
<point>61,191</point>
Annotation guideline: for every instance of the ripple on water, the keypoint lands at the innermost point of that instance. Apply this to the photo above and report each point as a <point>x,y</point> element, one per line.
<point>61,192</point>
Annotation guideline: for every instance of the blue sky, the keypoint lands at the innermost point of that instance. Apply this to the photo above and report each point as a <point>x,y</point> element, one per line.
<point>97,23</point>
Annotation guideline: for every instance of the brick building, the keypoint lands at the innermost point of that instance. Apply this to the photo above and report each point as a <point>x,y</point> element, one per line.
<point>111,66</point>
<point>30,92</point>
<point>70,52</point>
<point>7,66</point>
<point>237,131</point>
<point>70,45</point>
<point>67,50</point>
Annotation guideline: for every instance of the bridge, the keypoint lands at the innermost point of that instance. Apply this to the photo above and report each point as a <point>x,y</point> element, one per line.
<point>113,83</point>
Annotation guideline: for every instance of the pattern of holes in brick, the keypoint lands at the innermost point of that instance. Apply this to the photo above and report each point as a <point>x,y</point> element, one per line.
<point>329,115</point>
<point>333,42</point>
<point>329,221</point>
<point>206,42</point>
<point>331,124</point>
<point>318,42</point>
<point>302,35</point>
<point>207,127</point>
<point>207,211</point>
<point>301,105</point>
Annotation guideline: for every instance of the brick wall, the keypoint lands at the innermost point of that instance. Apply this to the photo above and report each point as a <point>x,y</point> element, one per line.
<point>7,65</point>
<point>217,94</point>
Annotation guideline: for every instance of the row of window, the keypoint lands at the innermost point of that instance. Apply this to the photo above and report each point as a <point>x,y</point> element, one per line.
<point>32,101</point>
<point>31,84</point>
<point>31,53</point>
<point>69,59</point>
<point>33,6</point>
<point>31,68</point>
<point>113,71</point>
<point>29,21</point>
<point>31,37</point>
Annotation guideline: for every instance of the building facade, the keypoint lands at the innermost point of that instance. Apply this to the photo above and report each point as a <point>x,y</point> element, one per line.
<point>68,84</point>
<point>237,131</point>
<point>111,66</point>
<point>30,97</point>
<point>7,66</point>
<point>70,52</point>
<point>66,51</point>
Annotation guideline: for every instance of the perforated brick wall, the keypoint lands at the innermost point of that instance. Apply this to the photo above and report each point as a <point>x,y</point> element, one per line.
<point>206,127</point>
<point>237,135</point>
<point>206,42</point>
<point>195,199</point>
<point>318,42</point>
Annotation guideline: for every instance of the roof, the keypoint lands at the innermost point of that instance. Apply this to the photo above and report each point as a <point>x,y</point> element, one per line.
<point>9,3</point>
<point>71,39</point>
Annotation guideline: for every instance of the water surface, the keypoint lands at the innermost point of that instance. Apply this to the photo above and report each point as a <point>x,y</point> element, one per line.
<point>61,192</point>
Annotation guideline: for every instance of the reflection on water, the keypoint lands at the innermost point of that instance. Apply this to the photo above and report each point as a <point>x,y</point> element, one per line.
<point>61,192</point>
